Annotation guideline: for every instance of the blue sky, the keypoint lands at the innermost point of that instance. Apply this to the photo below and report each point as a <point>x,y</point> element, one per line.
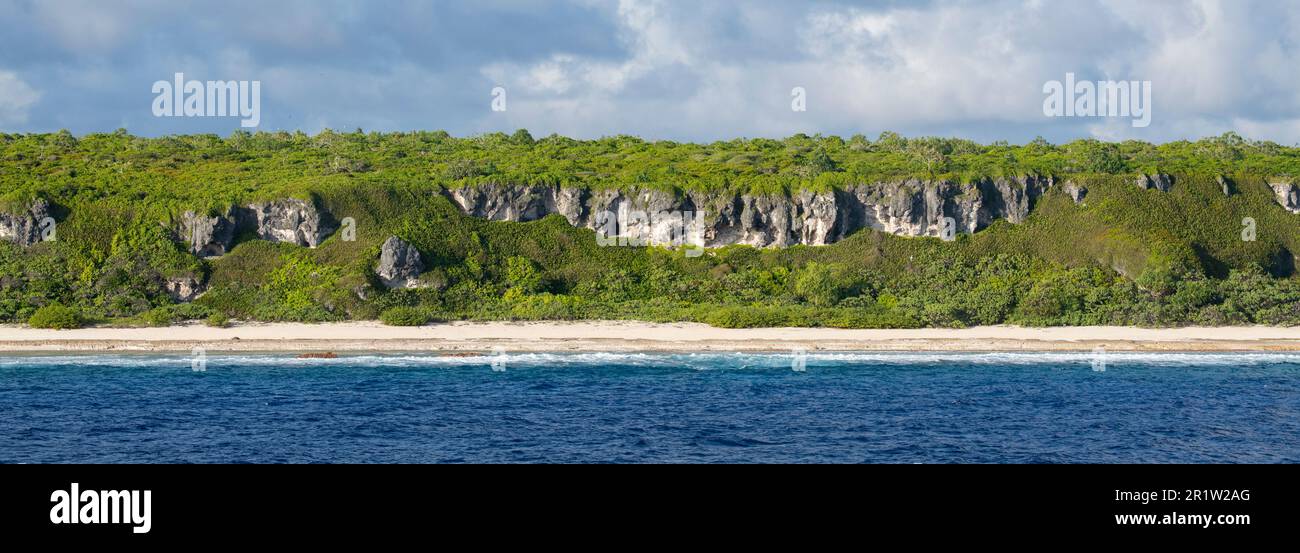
<point>696,70</point>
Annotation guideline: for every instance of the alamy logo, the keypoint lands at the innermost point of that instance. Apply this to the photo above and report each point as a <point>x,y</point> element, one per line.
<point>49,230</point>
<point>498,359</point>
<point>182,98</point>
<point>102,507</point>
<point>1098,361</point>
<point>498,99</point>
<point>948,229</point>
<point>1098,99</point>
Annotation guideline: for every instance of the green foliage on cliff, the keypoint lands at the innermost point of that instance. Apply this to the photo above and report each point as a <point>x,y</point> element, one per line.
<point>1125,256</point>
<point>208,172</point>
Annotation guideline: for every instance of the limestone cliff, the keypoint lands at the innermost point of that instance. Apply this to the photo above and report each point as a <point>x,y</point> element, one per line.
<point>208,235</point>
<point>24,228</point>
<point>399,264</point>
<point>909,207</point>
<point>292,221</point>
<point>1287,195</point>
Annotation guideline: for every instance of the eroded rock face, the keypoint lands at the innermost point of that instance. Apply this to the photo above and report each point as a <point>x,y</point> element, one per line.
<point>1226,185</point>
<point>911,208</point>
<point>292,221</point>
<point>1159,181</point>
<point>25,228</point>
<point>208,236</point>
<point>1075,191</point>
<point>399,264</point>
<point>185,288</point>
<point>507,203</point>
<point>1287,195</point>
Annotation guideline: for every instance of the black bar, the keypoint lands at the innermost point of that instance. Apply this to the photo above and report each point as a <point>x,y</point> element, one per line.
<point>321,502</point>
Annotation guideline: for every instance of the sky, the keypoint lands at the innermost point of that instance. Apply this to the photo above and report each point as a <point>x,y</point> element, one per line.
<point>689,70</point>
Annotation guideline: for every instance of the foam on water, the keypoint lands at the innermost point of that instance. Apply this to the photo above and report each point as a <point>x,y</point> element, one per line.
<point>898,407</point>
<point>699,361</point>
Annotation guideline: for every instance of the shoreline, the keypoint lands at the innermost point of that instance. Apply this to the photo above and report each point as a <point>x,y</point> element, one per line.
<point>630,336</point>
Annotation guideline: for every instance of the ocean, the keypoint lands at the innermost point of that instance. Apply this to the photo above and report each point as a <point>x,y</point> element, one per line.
<point>652,408</point>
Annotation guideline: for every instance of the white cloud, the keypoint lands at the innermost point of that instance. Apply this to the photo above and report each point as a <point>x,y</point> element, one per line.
<point>901,68</point>
<point>16,99</point>
<point>965,65</point>
<point>650,38</point>
<point>680,69</point>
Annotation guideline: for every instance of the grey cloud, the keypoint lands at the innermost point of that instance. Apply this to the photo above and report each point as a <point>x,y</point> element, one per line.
<point>678,69</point>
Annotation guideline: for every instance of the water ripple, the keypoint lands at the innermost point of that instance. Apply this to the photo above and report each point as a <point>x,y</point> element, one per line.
<point>614,407</point>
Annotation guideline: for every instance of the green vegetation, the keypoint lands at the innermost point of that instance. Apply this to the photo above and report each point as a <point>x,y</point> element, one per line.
<point>55,316</point>
<point>1127,256</point>
<point>404,315</point>
<point>168,315</point>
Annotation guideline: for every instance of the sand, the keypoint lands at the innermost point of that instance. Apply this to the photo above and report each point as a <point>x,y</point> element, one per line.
<point>635,336</point>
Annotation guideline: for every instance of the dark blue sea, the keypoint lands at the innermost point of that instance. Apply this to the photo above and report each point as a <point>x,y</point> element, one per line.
<point>702,408</point>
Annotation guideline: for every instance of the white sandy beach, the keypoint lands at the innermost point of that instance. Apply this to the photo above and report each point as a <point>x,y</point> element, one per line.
<point>636,336</point>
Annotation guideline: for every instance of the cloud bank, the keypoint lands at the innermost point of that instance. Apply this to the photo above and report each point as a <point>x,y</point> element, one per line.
<point>667,69</point>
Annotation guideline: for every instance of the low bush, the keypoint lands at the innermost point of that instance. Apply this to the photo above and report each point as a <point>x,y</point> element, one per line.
<point>57,317</point>
<point>405,316</point>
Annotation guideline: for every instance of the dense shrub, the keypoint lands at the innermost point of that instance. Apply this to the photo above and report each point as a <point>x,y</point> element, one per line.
<point>750,317</point>
<point>57,317</point>
<point>405,316</point>
<point>168,315</point>
<point>1125,256</point>
<point>160,316</point>
<point>546,307</point>
<point>819,284</point>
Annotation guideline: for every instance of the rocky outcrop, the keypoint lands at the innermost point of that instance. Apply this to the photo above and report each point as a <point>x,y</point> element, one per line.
<point>208,236</point>
<point>1076,192</point>
<point>510,203</point>
<point>184,288</point>
<point>908,207</point>
<point>1226,185</point>
<point>399,264</point>
<point>1158,181</point>
<point>25,228</point>
<point>292,221</point>
<point>1287,195</point>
